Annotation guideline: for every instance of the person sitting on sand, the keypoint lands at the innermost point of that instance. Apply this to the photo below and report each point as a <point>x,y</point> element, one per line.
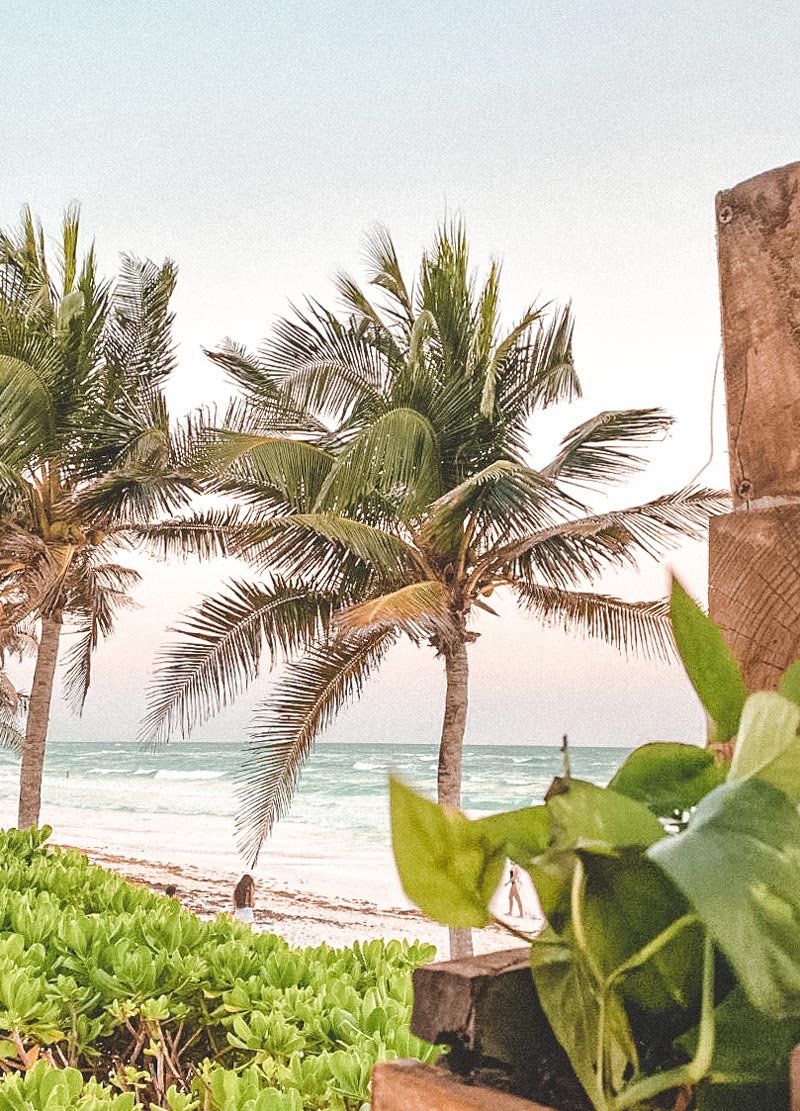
<point>171,891</point>
<point>513,892</point>
<point>243,900</point>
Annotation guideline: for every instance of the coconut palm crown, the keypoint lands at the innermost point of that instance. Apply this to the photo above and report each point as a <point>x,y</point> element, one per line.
<point>86,451</point>
<point>380,462</point>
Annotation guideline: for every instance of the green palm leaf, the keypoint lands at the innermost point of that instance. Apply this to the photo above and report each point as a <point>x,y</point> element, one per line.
<point>219,652</point>
<point>306,698</point>
<point>598,451</point>
<point>290,471</point>
<point>397,455</point>
<point>640,627</point>
<point>539,371</point>
<point>652,529</point>
<point>98,592</point>
<point>309,542</point>
<point>504,500</point>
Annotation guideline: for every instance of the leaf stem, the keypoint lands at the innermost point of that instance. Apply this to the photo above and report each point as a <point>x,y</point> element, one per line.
<point>700,1064</point>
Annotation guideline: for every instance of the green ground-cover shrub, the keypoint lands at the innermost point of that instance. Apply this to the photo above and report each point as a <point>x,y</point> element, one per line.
<point>124,985</point>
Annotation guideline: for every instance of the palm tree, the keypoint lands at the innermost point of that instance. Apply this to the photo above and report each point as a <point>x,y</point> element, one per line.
<point>85,450</point>
<point>381,463</point>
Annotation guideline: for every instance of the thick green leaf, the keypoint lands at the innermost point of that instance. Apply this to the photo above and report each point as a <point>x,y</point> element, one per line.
<point>743,1097</point>
<point>526,832</point>
<point>588,815</point>
<point>738,863</point>
<point>668,777</point>
<point>789,683</point>
<point>709,663</point>
<point>552,877</point>
<point>768,745</point>
<point>748,1044</point>
<point>447,865</point>
<point>627,903</point>
<point>570,1001</point>
<point>750,1070</point>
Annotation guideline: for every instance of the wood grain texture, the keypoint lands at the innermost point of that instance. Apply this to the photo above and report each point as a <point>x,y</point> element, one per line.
<point>795,1078</point>
<point>758,243</point>
<point>411,1086</point>
<point>754,589</point>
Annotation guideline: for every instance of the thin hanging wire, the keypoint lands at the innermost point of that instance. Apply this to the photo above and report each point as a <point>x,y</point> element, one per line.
<point>708,462</point>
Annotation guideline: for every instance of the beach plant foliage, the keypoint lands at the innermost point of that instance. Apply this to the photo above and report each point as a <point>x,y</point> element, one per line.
<point>671,957</point>
<point>384,467</point>
<point>112,995</point>
<point>86,452</point>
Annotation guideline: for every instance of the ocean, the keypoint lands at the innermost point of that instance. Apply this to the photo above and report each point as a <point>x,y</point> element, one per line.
<point>343,789</point>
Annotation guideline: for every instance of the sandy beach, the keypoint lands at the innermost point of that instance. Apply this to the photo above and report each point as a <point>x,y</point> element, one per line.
<point>326,874</point>
<point>309,890</point>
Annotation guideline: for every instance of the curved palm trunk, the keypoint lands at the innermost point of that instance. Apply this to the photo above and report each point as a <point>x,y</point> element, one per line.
<point>30,773</point>
<point>450,751</point>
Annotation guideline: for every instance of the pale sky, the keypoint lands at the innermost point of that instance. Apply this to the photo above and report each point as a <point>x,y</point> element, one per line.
<point>256,143</point>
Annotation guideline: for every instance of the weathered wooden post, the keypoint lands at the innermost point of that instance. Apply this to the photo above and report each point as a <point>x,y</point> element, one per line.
<point>754,552</point>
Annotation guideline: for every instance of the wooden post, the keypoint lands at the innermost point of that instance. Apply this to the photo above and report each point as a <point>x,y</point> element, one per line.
<point>754,552</point>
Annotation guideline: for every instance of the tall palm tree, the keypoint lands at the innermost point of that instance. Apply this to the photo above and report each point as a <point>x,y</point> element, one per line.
<point>86,450</point>
<point>380,458</point>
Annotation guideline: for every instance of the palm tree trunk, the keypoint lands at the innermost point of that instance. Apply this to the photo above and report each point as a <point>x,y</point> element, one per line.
<point>450,751</point>
<point>30,773</point>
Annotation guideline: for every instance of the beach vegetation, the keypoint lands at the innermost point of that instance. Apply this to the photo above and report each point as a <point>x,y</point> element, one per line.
<point>86,451</point>
<point>670,962</point>
<point>381,460</point>
<point>113,993</point>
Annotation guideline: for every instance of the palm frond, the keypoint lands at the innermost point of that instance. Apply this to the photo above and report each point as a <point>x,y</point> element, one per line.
<point>213,534</point>
<point>397,455</point>
<point>291,472</point>
<point>323,366</point>
<point>598,451</point>
<point>11,736</point>
<point>501,501</point>
<point>495,365</point>
<point>95,593</point>
<point>220,648</point>
<point>306,698</point>
<point>318,546</point>
<point>383,270</point>
<point>420,610</point>
<point>642,628</point>
<point>541,372</point>
<point>653,528</point>
<point>138,344</point>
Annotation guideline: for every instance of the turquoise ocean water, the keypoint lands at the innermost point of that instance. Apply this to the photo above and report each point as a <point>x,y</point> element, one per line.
<point>343,788</point>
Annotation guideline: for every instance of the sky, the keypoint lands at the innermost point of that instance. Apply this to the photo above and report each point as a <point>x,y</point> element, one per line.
<point>256,144</point>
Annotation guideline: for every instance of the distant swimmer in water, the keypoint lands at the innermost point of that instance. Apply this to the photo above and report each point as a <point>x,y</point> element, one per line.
<point>513,891</point>
<point>243,899</point>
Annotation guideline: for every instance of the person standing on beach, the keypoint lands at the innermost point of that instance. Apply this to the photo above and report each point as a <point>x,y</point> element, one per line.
<point>243,899</point>
<point>513,891</point>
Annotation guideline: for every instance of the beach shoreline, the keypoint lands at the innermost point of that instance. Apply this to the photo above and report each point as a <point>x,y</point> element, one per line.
<point>302,918</point>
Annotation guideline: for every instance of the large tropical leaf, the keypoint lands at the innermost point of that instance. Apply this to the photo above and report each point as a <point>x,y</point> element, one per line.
<point>308,695</point>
